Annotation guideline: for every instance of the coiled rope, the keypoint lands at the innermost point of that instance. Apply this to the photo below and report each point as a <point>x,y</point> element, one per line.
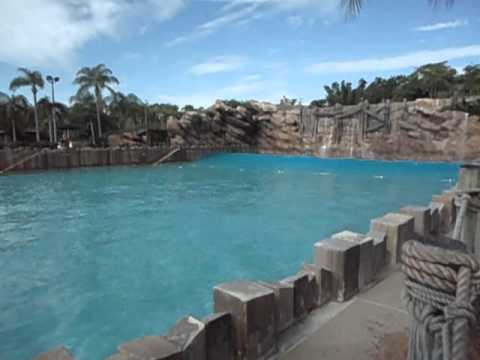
<point>441,295</point>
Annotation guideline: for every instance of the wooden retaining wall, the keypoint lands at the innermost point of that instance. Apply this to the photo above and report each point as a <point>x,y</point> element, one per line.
<point>25,159</point>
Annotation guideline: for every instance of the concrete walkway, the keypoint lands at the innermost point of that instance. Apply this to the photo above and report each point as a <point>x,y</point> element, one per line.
<point>371,326</point>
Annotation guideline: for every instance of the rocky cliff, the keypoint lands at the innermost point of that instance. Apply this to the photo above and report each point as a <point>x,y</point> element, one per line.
<point>423,129</point>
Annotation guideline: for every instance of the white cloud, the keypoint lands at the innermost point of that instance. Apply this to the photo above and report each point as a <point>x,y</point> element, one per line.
<point>321,6</point>
<point>35,33</point>
<point>249,87</point>
<point>442,26</point>
<point>417,58</point>
<point>213,25</point>
<point>244,11</point>
<point>295,21</point>
<point>219,64</point>
<point>165,9</point>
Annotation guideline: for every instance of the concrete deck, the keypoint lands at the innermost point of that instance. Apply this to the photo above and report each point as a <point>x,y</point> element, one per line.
<point>370,326</point>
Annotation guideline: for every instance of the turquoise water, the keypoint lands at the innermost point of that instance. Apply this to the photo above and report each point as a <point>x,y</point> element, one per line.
<point>93,257</point>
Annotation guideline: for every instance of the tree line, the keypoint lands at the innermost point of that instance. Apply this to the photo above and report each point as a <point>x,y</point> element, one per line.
<point>437,80</point>
<point>96,108</point>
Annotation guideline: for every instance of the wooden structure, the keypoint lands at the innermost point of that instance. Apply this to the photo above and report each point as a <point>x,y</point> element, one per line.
<point>3,138</point>
<point>69,131</point>
<point>154,137</point>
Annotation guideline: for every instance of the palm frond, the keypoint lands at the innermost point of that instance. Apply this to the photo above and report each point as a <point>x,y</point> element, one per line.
<point>20,101</point>
<point>25,71</point>
<point>110,89</point>
<point>352,7</point>
<point>83,79</point>
<point>83,90</point>
<point>84,71</point>
<point>439,3</point>
<point>112,80</point>
<point>37,79</point>
<point>18,82</point>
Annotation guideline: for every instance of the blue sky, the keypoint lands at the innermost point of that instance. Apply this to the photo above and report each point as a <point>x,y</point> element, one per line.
<point>196,51</point>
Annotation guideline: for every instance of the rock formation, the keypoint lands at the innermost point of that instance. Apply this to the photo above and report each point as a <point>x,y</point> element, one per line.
<point>421,129</point>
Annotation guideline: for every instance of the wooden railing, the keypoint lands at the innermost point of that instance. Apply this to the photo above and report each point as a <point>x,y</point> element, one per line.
<point>21,162</point>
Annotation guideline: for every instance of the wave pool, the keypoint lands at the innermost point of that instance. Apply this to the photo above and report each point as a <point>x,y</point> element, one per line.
<point>90,258</point>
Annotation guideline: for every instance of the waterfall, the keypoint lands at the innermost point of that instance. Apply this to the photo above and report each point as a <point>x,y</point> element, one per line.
<point>352,137</point>
<point>326,139</point>
<point>307,122</point>
<point>464,137</point>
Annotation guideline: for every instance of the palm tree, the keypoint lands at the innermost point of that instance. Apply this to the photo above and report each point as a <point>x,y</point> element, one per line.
<point>97,78</point>
<point>128,109</point>
<point>33,79</point>
<point>353,7</point>
<point>13,106</point>
<point>46,109</point>
<point>82,110</point>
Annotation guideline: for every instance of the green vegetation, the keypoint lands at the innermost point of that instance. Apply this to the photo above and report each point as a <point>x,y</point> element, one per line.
<point>34,80</point>
<point>118,112</point>
<point>428,81</point>
<point>14,109</point>
<point>97,78</point>
<point>112,113</point>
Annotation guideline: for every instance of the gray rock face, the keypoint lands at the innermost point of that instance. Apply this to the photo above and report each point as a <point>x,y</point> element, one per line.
<point>218,336</point>
<point>416,130</point>
<point>253,312</point>
<point>55,354</point>
<point>189,335</point>
<point>151,348</point>
<point>342,259</point>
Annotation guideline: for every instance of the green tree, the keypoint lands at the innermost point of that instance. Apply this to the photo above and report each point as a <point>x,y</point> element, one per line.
<point>96,78</point>
<point>471,80</point>
<point>188,108</point>
<point>436,78</point>
<point>34,80</point>
<point>341,93</point>
<point>83,111</point>
<point>382,89</point>
<point>129,110</point>
<point>165,110</point>
<point>14,108</point>
<point>319,103</point>
<point>45,108</point>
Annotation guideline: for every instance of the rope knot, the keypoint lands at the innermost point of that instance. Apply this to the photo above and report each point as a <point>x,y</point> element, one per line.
<point>460,311</point>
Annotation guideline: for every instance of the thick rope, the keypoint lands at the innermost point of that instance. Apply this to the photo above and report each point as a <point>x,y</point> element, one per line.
<point>441,291</point>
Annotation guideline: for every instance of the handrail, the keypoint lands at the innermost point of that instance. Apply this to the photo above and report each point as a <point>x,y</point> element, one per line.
<point>166,157</point>
<point>20,162</point>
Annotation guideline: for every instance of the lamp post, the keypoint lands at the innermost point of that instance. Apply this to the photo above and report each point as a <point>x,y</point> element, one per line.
<point>52,80</point>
